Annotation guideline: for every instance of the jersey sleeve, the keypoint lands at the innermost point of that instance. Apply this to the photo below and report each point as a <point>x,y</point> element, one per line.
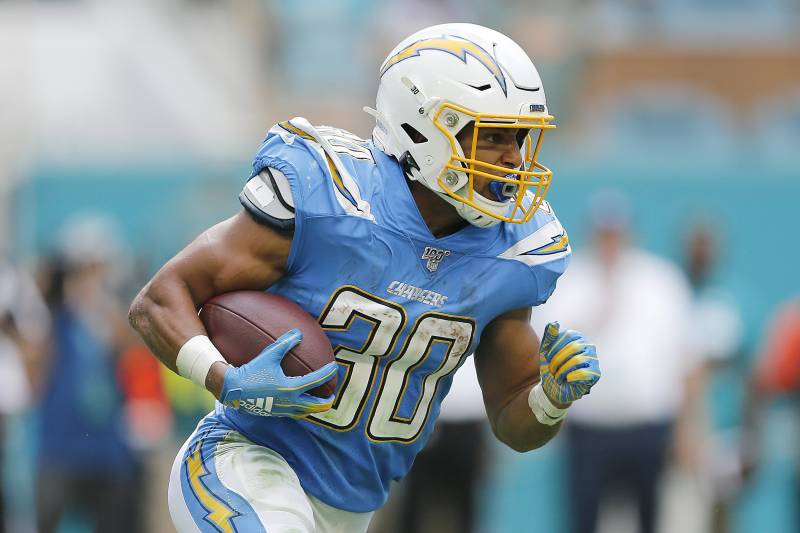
<point>297,175</point>
<point>285,173</point>
<point>284,187</point>
<point>321,182</point>
<point>543,246</point>
<point>547,276</point>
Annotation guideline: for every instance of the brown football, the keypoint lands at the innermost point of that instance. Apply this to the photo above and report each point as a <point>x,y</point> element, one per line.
<point>242,323</point>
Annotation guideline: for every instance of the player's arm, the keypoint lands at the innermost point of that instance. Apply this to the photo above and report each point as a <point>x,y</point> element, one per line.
<point>507,369</point>
<point>238,253</point>
<point>527,387</point>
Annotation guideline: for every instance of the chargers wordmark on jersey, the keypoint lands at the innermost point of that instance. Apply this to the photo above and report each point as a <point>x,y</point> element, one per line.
<point>416,294</point>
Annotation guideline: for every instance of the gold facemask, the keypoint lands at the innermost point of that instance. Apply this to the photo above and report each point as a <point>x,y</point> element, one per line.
<point>531,176</point>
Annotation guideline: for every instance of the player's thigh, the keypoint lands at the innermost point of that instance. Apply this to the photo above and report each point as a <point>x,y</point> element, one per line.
<point>332,520</point>
<point>221,481</point>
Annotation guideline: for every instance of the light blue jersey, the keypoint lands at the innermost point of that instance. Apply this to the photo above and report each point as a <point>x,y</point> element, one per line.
<point>402,308</point>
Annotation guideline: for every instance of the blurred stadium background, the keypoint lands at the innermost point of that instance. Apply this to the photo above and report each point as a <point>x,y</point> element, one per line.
<point>148,112</point>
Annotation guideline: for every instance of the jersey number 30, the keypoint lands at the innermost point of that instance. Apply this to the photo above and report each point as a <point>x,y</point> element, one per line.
<point>387,321</point>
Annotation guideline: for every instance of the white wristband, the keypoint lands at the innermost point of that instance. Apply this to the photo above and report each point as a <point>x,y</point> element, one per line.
<point>544,410</point>
<point>196,357</point>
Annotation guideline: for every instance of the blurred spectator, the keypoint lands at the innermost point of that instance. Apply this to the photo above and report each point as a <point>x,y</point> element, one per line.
<point>720,335</point>
<point>777,373</point>
<point>24,324</point>
<point>634,306</point>
<point>147,408</point>
<point>441,491</point>
<point>705,447</point>
<point>85,462</point>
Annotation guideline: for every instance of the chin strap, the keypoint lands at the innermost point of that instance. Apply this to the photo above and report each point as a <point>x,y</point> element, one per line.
<point>475,217</point>
<point>467,212</point>
<point>409,165</point>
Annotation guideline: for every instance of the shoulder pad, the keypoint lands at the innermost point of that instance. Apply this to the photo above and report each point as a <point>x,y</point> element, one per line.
<point>331,145</point>
<point>334,141</point>
<point>267,196</point>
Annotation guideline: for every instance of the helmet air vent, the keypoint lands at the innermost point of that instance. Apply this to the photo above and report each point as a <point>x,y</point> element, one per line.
<point>413,134</point>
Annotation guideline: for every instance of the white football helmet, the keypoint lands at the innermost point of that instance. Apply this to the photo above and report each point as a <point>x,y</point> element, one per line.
<point>443,78</point>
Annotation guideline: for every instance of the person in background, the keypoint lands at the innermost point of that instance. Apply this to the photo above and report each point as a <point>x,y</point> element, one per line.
<point>777,373</point>
<point>706,443</point>
<point>635,305</point>
<point>24,324</point>
<point>85,462</point>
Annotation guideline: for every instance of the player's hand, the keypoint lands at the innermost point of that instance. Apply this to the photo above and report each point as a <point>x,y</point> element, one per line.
<point>260,387</point>
<point>568,365</point>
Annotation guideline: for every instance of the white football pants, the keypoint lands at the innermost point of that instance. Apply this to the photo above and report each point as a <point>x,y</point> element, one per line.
<point>222,482</point>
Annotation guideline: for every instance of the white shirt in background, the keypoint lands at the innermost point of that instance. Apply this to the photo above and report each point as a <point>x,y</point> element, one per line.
<point>19,298</point>
<point>464,402</point>
<point>638,316</point>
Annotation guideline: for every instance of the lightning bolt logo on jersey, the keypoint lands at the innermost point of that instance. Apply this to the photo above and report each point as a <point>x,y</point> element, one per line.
<point>402,308</point>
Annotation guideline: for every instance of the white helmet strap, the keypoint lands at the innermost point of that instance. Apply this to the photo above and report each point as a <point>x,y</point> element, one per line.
<point>473,216</point>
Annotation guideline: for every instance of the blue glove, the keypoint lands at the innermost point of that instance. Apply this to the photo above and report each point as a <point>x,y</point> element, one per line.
<point>260,387</point>
<point>568,365</point>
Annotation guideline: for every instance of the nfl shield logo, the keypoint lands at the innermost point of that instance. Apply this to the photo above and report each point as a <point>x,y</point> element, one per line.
<point>434,256</point>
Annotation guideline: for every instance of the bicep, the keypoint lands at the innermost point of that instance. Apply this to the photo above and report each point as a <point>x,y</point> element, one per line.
<point>506,359</point>
<point>235,254</point>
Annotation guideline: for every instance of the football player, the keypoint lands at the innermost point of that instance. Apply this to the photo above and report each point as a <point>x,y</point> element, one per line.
<point>416,249</point>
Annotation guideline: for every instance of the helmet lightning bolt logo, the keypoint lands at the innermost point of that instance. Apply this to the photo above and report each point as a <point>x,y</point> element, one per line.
<point>219,514</point>
<point>452,45</point>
